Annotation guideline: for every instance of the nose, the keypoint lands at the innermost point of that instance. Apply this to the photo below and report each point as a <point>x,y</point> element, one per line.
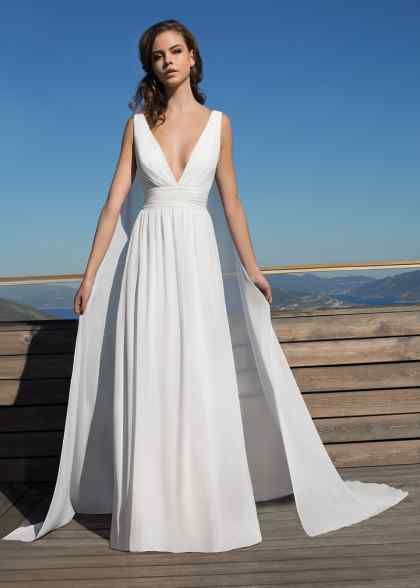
<point>168,61</point>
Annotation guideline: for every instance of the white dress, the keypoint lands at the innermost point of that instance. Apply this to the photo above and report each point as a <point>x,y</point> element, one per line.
<point>183,411</point>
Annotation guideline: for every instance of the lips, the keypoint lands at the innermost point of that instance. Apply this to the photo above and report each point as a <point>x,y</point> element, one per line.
<point>170,71</point>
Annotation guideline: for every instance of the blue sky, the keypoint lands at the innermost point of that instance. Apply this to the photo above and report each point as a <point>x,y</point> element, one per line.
<point>323,98</point>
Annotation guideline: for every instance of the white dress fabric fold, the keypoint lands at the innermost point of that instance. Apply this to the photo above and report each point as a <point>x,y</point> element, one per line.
<point>183,411</point>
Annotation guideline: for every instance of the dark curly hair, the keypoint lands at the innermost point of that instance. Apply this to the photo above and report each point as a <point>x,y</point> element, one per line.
<point>150,91</point>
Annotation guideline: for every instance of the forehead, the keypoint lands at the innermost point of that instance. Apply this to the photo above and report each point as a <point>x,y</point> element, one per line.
<point>167,39</point>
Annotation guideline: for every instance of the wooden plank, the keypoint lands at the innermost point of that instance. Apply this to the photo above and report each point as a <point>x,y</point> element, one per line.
<point>34,444</point>
<point>331,430</point>
<point>374,453</point>
<point>32,418</point>
<point>234,573</point>
<point>395,576</point>
<point>347,326</point>
<point>356,377</point>
<point>39,391</point>
<point>35,325</point>
<point>40,340</point>
<point>363,402</point>
<point>15,367</point>
<point>364,453</point>
<point>99,558</point>
<point>27,469</point>
<point>352,351</point>
<point>316,378</point>
<point>406,580</point>
<point>52,418</point>
<point>37,556</point>
<point>10,493</point>
<point>45,555</point>
<point>319,353</point>
<point>368,428</point>
<point>28,509</point>
<point>322,312</point>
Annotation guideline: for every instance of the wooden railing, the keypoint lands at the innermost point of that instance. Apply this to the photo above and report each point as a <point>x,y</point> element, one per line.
<point>268,269</point>
<point>357,368</point>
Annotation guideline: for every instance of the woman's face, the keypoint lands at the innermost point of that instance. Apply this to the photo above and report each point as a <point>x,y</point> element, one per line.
<point>170,54</point>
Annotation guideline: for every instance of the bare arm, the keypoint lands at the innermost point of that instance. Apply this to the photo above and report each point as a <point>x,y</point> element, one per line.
<point>122,180</point>
<point>234,211</point>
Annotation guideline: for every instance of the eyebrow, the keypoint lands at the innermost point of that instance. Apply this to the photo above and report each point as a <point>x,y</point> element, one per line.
<point>173,46</point>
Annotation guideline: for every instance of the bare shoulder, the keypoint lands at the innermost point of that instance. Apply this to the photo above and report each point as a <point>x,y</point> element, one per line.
<point>129,126</point>
<point>226,129</point>
<point>226,124</point>
<point>128,131</point>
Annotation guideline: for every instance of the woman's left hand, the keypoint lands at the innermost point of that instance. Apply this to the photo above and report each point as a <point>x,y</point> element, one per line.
<point>262,284</point>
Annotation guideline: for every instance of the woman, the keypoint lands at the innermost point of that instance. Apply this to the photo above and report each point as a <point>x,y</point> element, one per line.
<point>183,411</point>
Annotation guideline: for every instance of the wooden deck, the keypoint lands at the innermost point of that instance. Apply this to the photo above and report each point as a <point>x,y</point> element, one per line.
<point>358,370</point>
<point>383,551</point>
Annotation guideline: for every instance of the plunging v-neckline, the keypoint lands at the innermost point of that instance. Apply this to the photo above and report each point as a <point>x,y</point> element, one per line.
<point>165,159</point>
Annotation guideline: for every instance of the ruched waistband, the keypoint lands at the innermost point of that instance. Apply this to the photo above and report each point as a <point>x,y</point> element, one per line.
<point>175,196</point>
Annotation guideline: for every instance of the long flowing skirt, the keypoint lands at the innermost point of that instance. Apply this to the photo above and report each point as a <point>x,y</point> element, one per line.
<point>182,481</point>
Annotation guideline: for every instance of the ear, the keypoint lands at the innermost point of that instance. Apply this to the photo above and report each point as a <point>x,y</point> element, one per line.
<point>192,57</point>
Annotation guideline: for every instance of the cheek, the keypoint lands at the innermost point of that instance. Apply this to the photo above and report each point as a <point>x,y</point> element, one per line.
<point>184,62</point>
